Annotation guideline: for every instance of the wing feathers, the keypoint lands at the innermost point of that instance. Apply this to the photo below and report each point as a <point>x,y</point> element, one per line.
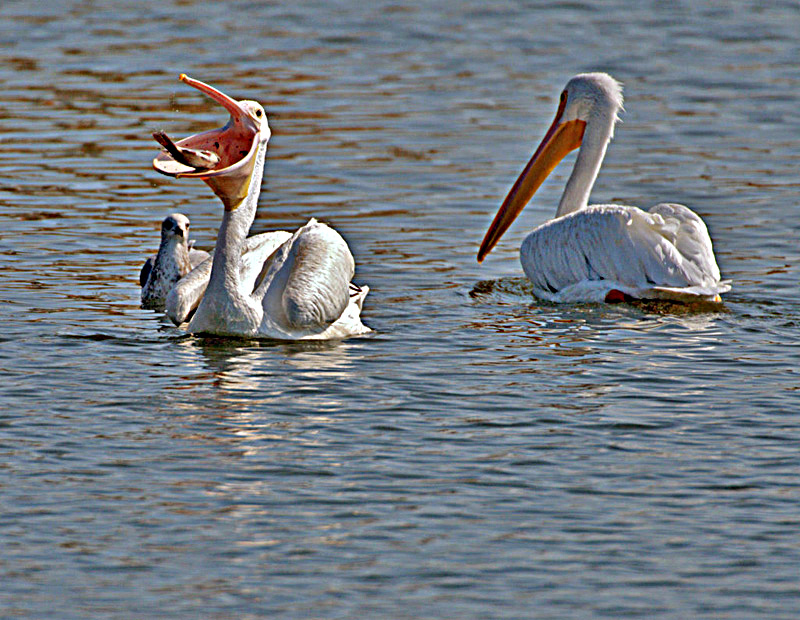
<point>309,281</point>
<point>623,248</point>
<point>185,296</point>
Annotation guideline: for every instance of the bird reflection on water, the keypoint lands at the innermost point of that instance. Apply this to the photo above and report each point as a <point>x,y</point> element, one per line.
<point>240,370</point>
<point>597,344</point>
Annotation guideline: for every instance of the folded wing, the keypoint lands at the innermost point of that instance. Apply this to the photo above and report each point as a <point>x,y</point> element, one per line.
<point>664,253</point>
<point>308,283</point>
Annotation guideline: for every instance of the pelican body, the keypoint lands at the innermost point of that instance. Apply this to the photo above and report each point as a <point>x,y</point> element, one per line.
<point>175,258</point>
<point>603,252</point>
<point>276,285</point>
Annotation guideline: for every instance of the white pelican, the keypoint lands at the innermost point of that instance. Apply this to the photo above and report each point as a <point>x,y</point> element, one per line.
<point>175,258</point>
<point>603,252</point>
<point>278,285</point>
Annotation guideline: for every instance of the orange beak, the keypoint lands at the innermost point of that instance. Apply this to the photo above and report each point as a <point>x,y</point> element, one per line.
<point>236,145</point>
<point>560,139</point>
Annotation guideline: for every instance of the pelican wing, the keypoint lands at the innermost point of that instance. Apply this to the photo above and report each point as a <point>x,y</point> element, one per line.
<point>197,256</point>
<point>257,256</point>
<point>689,234</point>
<point>584,255</point>
<point>308,282</point>
<point>184,297</point>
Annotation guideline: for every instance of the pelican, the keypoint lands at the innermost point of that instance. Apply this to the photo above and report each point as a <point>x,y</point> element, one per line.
<point>603,252</point>
<point>175,258</point>
<point>277,285</point>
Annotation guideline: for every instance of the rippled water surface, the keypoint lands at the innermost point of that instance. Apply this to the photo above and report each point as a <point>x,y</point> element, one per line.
<point>483,454</point>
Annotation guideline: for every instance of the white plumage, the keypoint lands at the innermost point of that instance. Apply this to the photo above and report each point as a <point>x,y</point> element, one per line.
<point>663,253</point>
<point>185,296</point>
<point>604,252</point>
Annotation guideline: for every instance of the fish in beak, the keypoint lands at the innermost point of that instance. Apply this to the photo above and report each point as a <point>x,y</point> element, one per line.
<point>226,156</point>
<point>562,137</point>
<point>194,158</point>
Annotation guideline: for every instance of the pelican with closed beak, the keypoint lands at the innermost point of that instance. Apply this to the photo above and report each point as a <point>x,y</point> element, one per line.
<point>603,252</point>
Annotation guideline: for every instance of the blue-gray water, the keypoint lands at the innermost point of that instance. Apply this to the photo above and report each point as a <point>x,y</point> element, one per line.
<point>481,455</point>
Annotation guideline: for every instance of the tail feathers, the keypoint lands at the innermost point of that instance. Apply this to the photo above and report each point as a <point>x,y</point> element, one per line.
<point>690,293</point>
<point>357,294</point>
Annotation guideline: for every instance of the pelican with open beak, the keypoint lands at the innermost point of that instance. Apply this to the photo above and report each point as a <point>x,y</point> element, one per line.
<point>276,285</point>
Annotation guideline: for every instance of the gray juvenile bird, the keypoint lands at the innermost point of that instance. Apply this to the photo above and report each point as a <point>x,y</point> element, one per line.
<point>175,258</point>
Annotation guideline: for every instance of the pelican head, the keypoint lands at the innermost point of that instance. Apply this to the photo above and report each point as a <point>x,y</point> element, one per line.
<point>235,144</point>
<point>588,101</point>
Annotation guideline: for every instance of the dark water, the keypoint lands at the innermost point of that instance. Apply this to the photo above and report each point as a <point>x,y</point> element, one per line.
<point>483,455</point>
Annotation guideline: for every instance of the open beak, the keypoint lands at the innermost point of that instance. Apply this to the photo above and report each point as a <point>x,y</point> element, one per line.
<point>560,139</point>
<point>235,144</point>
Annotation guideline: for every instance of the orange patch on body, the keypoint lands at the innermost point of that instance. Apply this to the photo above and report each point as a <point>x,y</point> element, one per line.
<point>615,297</point>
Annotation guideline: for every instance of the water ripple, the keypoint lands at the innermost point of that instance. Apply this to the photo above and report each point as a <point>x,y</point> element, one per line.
<point>483,454</point>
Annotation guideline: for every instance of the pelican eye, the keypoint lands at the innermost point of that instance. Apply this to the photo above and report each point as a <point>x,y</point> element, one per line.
<point>258,113</point>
